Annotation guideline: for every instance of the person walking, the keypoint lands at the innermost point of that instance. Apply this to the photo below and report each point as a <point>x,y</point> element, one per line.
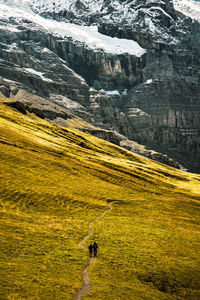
<point>90,249</point>
<point>95,246</point>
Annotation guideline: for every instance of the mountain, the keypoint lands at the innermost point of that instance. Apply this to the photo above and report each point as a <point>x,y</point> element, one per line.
<point>56,180</point>
<point>131,67</point>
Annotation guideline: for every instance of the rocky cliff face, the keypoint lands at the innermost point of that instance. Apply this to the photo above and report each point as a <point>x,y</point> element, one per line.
<point>152,98</point>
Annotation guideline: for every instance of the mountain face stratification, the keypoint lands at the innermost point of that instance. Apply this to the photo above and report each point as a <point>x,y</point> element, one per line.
<point>132,67</point>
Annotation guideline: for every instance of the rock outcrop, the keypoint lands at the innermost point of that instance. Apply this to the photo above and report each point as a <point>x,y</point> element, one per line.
<point>153,98</point>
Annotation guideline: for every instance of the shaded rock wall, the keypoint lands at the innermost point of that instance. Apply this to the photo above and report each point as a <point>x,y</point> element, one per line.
<point>158,100</point>
<point>101,70</point>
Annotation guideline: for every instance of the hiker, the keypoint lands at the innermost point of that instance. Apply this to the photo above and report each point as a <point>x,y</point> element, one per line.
<point>95,246</point>
<point>90,249</point>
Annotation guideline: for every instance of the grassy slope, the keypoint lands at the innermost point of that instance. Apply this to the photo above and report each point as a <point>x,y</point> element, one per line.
<point>55,181</point>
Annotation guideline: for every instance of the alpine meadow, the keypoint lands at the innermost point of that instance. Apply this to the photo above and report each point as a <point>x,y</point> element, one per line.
<point>55,181</point>
<point>99,149</point>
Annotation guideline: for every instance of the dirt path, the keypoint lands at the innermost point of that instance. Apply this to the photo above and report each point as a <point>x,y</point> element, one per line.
<point>87,284</point>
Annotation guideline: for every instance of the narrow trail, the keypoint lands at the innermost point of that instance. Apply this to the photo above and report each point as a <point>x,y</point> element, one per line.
<point>87,284</point>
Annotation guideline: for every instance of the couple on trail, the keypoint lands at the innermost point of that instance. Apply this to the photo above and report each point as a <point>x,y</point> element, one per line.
<point>93,247</point>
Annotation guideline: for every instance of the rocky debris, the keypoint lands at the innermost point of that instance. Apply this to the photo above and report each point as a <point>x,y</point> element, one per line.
<point>59,114</point>
<point>25,100</point>
<point>18,106</point>
<point>153,99</point>
<point>106,135</point>
<point>23,108</point>
<point>5,90</point>
<point>132,146</point>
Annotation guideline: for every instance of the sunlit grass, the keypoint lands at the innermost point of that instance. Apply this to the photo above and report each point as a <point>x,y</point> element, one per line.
<point>55,181</point>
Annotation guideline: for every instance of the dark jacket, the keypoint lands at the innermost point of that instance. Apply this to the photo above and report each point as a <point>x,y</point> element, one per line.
<point>95,246</point>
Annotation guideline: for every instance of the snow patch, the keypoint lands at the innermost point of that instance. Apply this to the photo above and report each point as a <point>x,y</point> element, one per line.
<point>110,93</point>
<point>125,92</point>
<point>114,92</point>
<point>90,36</point>
<point>157,8</point>
<point>189,8</point>
<point>148,81</point>
<point>17,3</point>
<point>32,71</point>
<point>9,28</point>
<point>87,35</point>
<point>57,6</point>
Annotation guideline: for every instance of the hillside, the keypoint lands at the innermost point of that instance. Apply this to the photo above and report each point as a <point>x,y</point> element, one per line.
<point>55,181</point>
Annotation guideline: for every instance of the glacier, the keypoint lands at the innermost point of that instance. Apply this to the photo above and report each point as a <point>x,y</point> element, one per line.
<point>88,35</point>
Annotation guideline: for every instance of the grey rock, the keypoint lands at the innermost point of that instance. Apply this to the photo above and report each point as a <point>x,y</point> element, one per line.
<point>158,99</point>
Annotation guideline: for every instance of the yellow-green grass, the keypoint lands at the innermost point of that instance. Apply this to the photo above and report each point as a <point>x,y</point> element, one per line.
<point>55,181</point>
